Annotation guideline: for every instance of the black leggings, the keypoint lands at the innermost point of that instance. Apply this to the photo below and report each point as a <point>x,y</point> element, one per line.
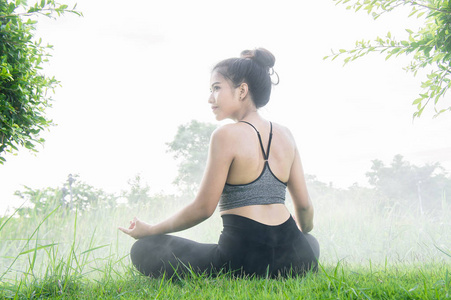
<point>245,247</point>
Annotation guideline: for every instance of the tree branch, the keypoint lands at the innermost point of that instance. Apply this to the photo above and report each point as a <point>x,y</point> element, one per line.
<point>428,7</point>
<point>41,12</point>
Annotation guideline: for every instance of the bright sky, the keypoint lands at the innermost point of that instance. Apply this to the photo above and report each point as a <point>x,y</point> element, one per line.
<point>133,72</point>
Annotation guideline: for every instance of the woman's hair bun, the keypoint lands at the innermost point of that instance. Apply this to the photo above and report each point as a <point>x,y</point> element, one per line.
<point>254,67</point>
<point>261,56</point>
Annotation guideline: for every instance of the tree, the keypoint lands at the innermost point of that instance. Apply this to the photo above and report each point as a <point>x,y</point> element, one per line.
<point>83,196</point>
<point>24,91</point>
<point>190,146</point>
<point>410,185</point>
<point>138,192</point>
<point>430,45</point>
<point>42,201</point>
<point>74,194</point>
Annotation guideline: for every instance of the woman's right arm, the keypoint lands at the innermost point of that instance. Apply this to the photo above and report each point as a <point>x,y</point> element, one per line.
<point>220,157</point>
<point>299,194</point>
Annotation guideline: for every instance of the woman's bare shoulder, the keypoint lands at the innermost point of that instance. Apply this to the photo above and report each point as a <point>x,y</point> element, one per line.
<point>284,133</point>
<point>225,134</point>
<point>226,130</point>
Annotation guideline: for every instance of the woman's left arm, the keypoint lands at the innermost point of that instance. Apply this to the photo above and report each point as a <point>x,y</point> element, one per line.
<point>203,206</point>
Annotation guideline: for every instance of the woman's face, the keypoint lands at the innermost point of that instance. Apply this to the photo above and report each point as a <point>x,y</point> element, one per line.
<point>224,98</point>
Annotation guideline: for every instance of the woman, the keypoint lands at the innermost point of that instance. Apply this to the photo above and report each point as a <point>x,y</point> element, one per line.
<point>250,164</point>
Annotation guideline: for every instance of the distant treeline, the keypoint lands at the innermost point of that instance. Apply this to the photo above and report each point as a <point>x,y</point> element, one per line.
<point>400,183</point>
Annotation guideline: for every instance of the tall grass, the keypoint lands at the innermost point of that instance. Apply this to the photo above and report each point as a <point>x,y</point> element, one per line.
<point>361,229</point>
<point>367,251</point>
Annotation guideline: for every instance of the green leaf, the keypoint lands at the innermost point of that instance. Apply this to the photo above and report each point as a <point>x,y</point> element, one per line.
<point>418,100</point>
<point>95,248</point>
<point>37,248</point>
<point>11,8</point>
<point>405,43</point>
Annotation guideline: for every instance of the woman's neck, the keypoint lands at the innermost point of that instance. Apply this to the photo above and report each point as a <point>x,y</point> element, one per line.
<point>247,116</point>
<point>247,112</point>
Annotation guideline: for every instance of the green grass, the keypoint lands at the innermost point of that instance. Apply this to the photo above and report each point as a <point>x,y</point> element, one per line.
<point>366,253</point>
<point>428,281</point>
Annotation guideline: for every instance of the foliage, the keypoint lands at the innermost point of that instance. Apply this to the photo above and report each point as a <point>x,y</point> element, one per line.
<point>326,194</point>
<point>23,89</point>
<point>138,192</point>
<point>409,185</point>
<point>83,196</point>
<point>43,200</point>
<point>190,146</point>
<point>75,194</point>
<point>365,254</point>
<point>430,45</point>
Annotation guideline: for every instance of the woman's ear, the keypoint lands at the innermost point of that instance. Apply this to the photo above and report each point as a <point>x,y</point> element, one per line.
<point>244,90</point>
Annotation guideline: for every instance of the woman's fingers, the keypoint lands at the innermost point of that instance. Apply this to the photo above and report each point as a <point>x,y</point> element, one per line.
<point>137,228</point>
<point>130,228</point>
<point>124,230</point>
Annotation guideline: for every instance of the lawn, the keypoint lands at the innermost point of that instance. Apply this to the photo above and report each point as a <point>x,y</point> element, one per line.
<point>367,252</point>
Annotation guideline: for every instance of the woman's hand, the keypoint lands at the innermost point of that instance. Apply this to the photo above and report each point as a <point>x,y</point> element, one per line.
<point>137,229</point>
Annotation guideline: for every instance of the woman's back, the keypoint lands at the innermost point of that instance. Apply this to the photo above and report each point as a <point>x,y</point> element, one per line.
<point>249,163</point>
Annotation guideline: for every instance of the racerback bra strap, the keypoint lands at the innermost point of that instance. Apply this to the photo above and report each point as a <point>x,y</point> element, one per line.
<point>265,155</point>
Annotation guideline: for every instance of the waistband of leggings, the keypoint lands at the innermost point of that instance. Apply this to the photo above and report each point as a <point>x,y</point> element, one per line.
<point>259,230</point>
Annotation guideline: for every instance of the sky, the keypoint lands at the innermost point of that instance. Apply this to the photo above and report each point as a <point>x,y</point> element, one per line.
<point>132,72</point>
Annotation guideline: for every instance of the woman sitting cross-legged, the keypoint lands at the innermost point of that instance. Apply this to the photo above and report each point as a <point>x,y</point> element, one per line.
<point>251,163</point>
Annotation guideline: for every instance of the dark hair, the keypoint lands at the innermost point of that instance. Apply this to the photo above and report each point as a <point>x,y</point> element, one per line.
<point>253,67</point>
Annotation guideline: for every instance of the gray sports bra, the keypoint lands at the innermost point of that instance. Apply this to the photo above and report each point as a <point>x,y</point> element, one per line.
<point>266,189</point>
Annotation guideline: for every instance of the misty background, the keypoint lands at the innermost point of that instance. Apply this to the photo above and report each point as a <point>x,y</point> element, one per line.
<point>132,73</point>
